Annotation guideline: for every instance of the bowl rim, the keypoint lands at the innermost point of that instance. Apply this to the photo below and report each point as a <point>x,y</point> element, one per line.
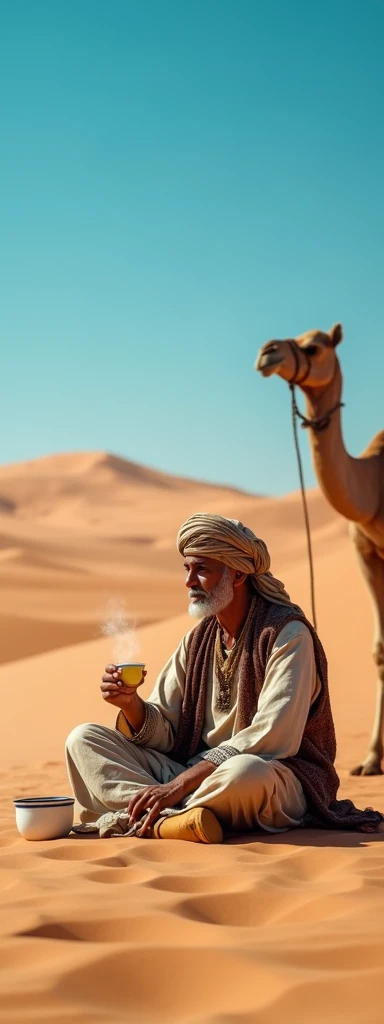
<point>43,801</point>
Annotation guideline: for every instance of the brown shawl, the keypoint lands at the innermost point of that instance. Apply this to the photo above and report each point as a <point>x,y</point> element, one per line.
<point>313,764</point>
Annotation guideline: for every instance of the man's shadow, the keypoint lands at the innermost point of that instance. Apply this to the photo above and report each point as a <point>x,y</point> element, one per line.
<point>301,837</point>
<point>307,837</point>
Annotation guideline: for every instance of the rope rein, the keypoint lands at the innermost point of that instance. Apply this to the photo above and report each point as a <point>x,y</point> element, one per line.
<point>295,412</point>
<point>318,424</point>
<point>322,422</point>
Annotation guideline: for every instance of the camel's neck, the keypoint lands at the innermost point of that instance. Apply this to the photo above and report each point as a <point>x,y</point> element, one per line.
<point>349,484</point>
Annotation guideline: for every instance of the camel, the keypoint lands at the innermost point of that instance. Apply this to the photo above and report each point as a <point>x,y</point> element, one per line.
<point>354,487</point>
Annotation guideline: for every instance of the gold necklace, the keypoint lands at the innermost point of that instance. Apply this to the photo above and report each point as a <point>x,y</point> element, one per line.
<point>226,668</point>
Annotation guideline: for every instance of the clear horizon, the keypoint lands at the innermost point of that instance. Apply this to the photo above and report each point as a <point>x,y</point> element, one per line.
<point>180,184</point>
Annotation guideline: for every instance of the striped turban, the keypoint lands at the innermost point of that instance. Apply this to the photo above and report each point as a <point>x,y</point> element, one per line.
<point>235,545</point>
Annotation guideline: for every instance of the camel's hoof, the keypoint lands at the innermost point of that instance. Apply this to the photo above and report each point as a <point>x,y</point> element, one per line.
<point>368,768</point>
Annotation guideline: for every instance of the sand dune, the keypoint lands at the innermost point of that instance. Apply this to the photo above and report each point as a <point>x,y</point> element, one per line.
<point>76,530</point>
<point>276,928</point>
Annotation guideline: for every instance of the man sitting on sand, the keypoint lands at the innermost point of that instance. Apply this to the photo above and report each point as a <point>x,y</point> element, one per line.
<point>238,732</point>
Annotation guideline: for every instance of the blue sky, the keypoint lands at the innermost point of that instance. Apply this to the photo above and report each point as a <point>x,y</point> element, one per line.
<point>179,183</point>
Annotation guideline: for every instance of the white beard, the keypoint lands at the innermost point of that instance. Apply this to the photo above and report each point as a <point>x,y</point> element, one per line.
<point>218,598</point>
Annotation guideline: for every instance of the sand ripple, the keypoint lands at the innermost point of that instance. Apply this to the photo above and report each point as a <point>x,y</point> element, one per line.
<point>261,929</point>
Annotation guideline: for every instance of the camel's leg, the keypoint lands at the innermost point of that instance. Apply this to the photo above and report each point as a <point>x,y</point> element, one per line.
<point>372,568</point>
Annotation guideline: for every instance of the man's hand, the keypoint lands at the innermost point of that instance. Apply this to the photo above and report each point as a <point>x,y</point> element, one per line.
<point>155,798</point>
<point>114,691</point>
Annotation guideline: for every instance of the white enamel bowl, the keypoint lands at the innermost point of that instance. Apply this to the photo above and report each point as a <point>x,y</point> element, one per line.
<point>46,817</point>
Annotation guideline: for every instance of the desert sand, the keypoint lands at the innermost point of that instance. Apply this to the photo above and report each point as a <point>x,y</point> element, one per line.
<point>261,929</point>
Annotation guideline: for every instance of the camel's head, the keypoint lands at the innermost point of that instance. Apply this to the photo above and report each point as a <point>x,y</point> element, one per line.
<point>309,359</point>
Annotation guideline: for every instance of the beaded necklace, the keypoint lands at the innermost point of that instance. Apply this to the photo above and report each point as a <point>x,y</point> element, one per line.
<point>226,667</point>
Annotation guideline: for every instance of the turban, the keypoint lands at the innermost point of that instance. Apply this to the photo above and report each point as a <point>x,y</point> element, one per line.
<point>235,545</point>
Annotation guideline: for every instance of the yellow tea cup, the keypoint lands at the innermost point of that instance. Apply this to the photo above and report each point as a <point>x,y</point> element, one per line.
<point>132,675</point>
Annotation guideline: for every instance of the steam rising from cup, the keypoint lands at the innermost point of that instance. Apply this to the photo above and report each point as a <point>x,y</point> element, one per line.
<point>122,628</point>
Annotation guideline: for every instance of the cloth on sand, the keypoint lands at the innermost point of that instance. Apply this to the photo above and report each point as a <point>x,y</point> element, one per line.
<point>113,823</point>
<point>237,546</point>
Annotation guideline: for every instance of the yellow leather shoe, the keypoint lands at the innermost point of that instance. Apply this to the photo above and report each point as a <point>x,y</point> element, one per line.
<point>199,825</point>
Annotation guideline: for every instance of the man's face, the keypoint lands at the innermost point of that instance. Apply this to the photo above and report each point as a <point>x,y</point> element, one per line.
<point>209,584</point>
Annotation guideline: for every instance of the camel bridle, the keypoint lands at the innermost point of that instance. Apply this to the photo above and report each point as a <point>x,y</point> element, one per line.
<point>296,352</point>
<point>315,423</point>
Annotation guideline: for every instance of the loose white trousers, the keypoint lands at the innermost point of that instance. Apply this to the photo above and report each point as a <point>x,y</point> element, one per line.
<point>246,792</point>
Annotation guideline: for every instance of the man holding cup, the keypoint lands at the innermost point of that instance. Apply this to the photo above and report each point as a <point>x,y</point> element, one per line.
<point>237,734</point>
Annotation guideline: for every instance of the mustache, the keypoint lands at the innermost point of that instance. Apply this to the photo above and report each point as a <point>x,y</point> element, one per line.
<point>197,593</point>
